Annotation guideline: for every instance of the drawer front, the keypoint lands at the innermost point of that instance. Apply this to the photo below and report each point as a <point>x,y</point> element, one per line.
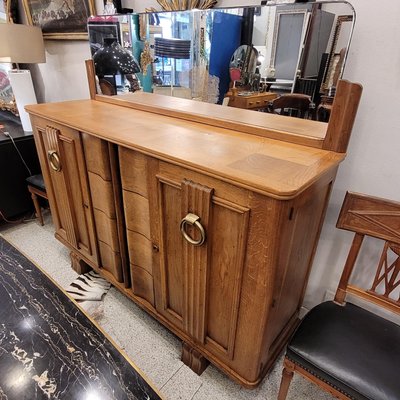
<point>104,200</point>
<point>134,170</point>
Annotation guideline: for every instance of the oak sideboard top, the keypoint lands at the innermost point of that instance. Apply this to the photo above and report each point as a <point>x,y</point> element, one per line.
<point>265,165</point>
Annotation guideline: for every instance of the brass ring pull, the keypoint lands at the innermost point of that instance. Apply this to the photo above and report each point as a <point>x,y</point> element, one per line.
<point>54,160</point>
<point>193,219</point>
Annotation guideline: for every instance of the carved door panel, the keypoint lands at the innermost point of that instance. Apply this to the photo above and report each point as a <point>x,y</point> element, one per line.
<point>201,231</point>
<point>66,180</point>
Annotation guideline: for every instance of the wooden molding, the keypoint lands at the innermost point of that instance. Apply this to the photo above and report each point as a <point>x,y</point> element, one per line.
<point>196,199</point>
<point>342,117</point>
<point>91,76</point>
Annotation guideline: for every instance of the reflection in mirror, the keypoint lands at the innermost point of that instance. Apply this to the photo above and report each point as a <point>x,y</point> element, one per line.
<point>243,64</point>
<point>244,57</point>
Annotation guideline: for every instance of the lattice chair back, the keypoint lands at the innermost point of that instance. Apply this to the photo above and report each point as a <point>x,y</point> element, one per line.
<point>344,348</point>
<point>369,216</point>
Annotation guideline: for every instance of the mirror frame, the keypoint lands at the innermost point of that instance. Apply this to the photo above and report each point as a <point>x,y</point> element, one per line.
<point>278,15</point>
<point>257,126</point>
<point>330,62</point>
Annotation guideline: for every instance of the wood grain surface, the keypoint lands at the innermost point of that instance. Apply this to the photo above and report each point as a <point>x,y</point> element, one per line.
<point>269,166</point>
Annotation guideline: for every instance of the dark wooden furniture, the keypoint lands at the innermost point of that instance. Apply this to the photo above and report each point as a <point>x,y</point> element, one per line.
<point>324,108</point>
<point>15,199</point>
<point>195,211</point>
<point>37,188</point>
<point>107,88</point>
<point>253,101</point>
<point>345,349</point>
<point>293,104</point>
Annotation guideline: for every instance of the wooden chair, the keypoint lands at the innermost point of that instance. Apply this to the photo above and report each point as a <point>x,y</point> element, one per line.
<point>293,104</point>
<point>346,350</point>
<point>37,188</point>
<point>107,88</point>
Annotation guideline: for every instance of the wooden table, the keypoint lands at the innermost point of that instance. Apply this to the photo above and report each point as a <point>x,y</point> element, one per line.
<point>253,101</point>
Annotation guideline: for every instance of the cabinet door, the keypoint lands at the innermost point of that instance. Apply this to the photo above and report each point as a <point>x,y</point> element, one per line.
<point>198,284</point>
<point>63,167</point>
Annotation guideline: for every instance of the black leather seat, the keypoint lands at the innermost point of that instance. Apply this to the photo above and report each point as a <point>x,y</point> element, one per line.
<point>347,350</point>
<point>353,350</point>
<point>36,181</point>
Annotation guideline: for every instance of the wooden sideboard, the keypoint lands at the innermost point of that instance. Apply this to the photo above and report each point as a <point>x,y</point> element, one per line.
<point>208,217</point>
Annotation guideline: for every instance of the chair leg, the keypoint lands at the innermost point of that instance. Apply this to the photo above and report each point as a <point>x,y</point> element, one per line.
<point>287,375</point>
<point>38,210</point>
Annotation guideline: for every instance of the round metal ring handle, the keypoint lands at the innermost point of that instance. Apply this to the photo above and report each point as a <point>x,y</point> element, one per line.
<point>54,160</point>
<point>193,219</point>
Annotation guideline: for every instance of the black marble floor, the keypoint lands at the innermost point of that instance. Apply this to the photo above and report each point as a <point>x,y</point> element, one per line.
<point>49,349</point>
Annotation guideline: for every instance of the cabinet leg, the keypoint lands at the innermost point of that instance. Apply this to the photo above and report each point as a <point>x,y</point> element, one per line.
<point>78,264</point>
<point>193,359</point>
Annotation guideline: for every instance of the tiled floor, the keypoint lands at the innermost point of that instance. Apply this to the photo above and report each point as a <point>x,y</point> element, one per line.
<point>147,343</point>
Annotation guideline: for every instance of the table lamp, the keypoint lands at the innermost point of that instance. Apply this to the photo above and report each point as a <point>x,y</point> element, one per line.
<point>22,44</point>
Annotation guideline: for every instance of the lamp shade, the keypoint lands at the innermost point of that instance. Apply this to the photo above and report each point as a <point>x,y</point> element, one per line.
<point>21,44</point>
<point>113,59</point>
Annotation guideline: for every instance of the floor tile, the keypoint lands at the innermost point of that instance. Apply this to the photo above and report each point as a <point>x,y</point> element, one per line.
<point>183,385</point>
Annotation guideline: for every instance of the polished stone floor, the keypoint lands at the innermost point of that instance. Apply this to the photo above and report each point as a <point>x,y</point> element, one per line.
<point>147,343</point>
<point>49,349</point>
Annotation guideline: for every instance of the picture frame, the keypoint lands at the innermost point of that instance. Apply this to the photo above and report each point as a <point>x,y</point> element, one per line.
<point>337,54</point>
<point>60,20</point>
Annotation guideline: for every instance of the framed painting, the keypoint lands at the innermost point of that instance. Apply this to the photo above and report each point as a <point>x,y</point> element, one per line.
<point>58,19</point>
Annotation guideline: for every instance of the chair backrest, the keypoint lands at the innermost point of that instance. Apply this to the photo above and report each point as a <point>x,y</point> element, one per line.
<point>293,101</point>
<point>107,88</point>
<point>380,219</point>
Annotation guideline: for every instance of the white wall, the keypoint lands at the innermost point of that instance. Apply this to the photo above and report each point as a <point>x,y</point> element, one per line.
<point>63,76</point>
<point>372,165</point>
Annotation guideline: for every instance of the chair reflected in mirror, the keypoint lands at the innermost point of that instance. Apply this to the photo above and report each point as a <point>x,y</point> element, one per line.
<point>107,87</point>
<point>344,348</point>
<point>293,104</point>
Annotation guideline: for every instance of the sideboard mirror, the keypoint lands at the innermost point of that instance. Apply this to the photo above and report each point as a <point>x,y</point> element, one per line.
<point>295,48</point>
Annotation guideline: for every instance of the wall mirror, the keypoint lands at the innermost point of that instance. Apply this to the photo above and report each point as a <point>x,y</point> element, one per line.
<point>298,48</point>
